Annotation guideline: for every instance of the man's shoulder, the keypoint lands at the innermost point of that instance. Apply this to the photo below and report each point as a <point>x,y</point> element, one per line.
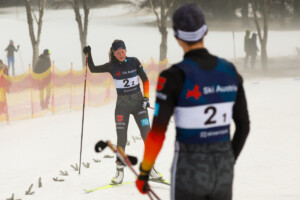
<point>173,73</point>
<point>173,69</point>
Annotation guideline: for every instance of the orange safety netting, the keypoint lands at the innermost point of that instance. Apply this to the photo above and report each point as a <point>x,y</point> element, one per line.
<point>32,95</point>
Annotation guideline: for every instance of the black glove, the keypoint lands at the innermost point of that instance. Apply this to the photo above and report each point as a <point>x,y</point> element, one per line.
<point>87,50</point>
<point>145,103</point>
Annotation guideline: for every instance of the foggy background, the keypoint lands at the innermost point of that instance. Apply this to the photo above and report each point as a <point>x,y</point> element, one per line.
<point>137,24</point>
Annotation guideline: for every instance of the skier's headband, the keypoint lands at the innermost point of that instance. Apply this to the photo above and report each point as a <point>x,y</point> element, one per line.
<point>118,45</point>
<point>191,36</point>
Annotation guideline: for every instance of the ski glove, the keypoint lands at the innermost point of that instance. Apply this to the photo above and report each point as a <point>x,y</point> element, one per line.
<point>87,50</point>
<point>142,181</point>
<point>145,103</point>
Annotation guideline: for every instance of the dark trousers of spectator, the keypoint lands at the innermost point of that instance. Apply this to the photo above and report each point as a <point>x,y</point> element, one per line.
<point>246,60</point>
<point>252,60</point>
<point>11,63</point>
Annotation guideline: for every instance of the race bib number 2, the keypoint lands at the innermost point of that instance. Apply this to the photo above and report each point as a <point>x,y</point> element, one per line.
<point>126,83</point>
<point>204,116</point>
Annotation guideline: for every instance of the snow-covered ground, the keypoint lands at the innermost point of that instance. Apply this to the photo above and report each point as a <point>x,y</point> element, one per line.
<point>268,168</point>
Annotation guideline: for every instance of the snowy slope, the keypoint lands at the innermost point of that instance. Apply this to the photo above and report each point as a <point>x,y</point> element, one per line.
<point>268,167</point>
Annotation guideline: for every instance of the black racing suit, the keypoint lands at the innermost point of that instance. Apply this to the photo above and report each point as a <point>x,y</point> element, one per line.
<point>129,101</point>
<point>200,171</point>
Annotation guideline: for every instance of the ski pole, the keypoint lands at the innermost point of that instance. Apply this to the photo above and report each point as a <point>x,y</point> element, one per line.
<point>83,108</point>
<point>127,160</point>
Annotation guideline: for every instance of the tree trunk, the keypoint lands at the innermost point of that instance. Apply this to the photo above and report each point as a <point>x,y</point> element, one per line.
<point>264,56</point>
<point>163,31</point>
<point>163,45</point>
<point>35,41</point>
<point>245,18</point>
<point>162,26</point>
<point>83,44</point>
<point>35,55</point>
<point>82,28</point>
<point>263,37</point>
<point>296,11</point>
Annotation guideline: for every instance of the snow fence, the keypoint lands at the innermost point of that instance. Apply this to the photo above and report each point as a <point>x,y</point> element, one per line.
<point>32,95</point>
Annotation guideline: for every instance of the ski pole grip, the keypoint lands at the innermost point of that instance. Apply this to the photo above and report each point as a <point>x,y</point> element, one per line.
<point>111,146</point>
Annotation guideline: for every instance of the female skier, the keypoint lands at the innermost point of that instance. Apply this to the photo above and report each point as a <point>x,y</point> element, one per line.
<point>126,72</point>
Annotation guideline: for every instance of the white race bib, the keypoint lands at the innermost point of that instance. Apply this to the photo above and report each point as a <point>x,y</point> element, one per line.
<point>204,116</point>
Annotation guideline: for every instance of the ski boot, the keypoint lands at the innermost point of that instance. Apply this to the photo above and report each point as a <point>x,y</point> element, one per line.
<point>155,175</point>
<point>118,179</point>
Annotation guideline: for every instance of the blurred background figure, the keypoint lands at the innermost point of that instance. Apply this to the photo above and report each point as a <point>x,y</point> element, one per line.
<point>11,49</point>
<point>3,67</point>
<point>298,51</point>
<point>42,65</point>
<point>253,49</point>
<point>246,47</point>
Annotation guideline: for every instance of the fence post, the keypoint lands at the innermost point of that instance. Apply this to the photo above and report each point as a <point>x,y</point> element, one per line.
<point>71,84</point>
<point>88,86</point>
<point>31,95</point>
<point>53,87</point>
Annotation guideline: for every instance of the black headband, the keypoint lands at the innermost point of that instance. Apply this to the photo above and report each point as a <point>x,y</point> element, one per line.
<point>118,45</point>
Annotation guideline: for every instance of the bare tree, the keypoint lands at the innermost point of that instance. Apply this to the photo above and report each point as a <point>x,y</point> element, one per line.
<point>296,6</point>
<point>35,39</point>
<point>262,34</point>
<point>245,18</point>
<point>82,23</point>
<point>162,24</point>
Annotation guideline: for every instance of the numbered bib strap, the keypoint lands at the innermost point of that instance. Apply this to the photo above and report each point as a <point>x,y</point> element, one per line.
<point>126,83</point>
<point>204,116</point>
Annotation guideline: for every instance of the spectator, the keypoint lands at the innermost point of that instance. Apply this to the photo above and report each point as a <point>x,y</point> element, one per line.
<point>43,64</point>
<point>4,89</point>
<point>246,46</point>
<point>253,49</point>
<point>3,67</point>
<point>11,49</point>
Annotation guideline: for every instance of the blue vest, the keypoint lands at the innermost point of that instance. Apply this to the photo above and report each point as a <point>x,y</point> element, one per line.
<point>126,77</point>
<point>203,112</point>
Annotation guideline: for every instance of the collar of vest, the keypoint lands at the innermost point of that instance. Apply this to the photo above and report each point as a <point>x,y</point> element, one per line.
<point>125,61</point>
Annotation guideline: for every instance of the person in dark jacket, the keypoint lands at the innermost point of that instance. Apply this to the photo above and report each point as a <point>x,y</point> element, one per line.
<point>246,46</point>
<point>253,49</point>
<point>43,64</point>
<point>11,49</point>
<point>204,92</point>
